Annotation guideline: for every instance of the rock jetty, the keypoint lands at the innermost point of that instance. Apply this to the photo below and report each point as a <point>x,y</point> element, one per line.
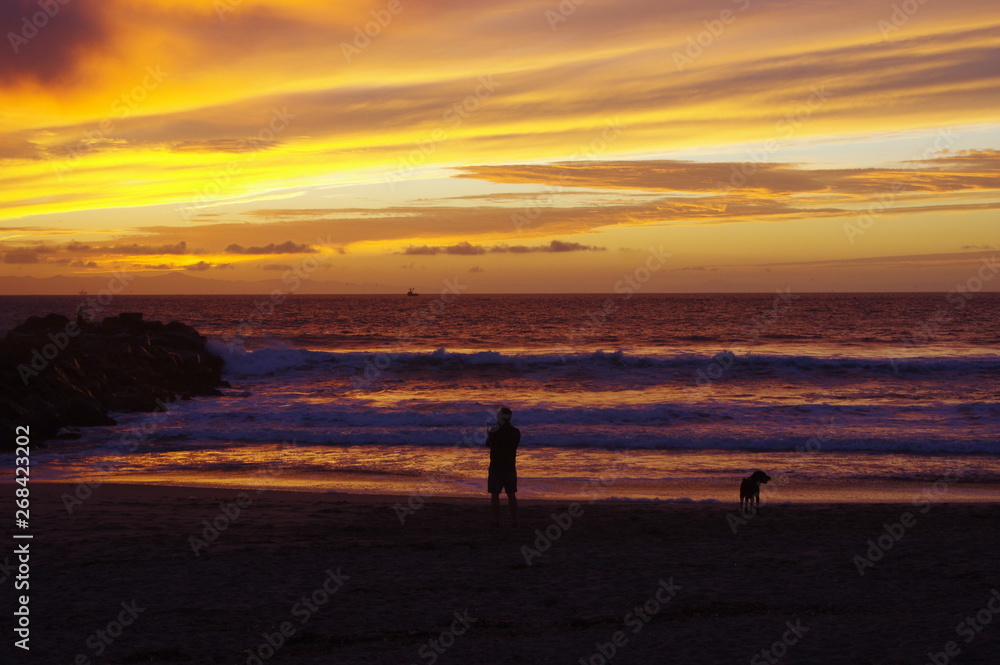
<point>56,373</point>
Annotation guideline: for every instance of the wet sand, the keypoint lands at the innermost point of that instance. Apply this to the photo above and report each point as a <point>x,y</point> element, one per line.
<point>139,574</point>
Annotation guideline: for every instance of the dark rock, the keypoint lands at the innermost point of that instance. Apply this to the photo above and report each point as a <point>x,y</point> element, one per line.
<point>56,373</point>
<point>42,324</point>
<point>85,411</point>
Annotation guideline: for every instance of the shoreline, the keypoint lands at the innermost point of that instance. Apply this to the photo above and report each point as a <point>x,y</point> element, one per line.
<point>803,493</point>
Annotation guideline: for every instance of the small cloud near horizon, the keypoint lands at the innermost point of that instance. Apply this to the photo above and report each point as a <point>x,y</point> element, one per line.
<point>287,247</point>
<point>203,265</point>
<point>468,249</point>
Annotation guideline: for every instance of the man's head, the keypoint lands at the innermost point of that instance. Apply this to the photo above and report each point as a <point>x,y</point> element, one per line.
<point>503,415</point>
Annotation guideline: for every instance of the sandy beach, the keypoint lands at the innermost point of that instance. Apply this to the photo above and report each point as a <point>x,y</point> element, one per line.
<point>138,574</point>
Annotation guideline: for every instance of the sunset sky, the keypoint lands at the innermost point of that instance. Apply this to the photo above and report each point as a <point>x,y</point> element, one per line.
<point>518,146</point>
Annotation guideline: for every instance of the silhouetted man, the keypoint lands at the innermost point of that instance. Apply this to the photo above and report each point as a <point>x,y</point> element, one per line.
<point>503,440</point>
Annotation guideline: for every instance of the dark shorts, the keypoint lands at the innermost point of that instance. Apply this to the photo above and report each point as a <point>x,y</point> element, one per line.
<point>501,479</point>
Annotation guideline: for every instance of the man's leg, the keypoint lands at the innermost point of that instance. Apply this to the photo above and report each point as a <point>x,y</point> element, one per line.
<point>512,502</point>
<point>495,500</point>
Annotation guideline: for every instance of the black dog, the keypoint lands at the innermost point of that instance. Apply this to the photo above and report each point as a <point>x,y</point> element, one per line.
<point>750,489</point>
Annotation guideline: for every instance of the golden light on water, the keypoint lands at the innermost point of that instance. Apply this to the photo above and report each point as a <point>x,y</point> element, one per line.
<point>548,473</point>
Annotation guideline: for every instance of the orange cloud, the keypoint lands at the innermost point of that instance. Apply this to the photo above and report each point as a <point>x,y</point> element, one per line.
<point>971,170</point>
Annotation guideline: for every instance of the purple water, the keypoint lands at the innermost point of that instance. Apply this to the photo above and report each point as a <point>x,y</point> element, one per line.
<point>661,395</point>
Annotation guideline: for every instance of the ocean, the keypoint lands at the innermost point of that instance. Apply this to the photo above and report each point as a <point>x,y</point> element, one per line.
<point>839,397</point>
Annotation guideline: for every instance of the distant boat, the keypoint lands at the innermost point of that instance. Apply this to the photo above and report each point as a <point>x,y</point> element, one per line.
<point>411,292</point>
